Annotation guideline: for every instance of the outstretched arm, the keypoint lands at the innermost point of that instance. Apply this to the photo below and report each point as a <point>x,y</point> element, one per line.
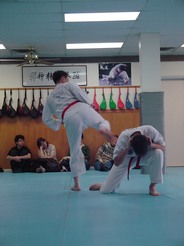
<point>120,158</point>
<point>122,154</point>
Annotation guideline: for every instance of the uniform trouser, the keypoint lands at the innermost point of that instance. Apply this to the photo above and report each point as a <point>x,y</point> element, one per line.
<point>152,161</point>
<point>77,118</point>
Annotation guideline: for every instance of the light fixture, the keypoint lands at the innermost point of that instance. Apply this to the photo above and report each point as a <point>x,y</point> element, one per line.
<point>2,47</point>
<point>182,45</point>
<point>94,45</point>
<point>111,16</point>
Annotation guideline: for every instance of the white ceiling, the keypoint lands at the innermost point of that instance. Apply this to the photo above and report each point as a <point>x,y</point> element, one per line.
<point>40,23</point>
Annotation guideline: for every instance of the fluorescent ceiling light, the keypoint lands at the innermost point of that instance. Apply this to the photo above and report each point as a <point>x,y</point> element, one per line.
<point>94,45</point>
<point>111,16</point>
<point>2,47</point>
<point>182,45</point>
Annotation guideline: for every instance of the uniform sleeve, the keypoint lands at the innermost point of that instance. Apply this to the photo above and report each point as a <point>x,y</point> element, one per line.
<point>113,72</point>
<point>79,93</point>
<point>124,75</point>
<point>156,137</point>
<point>48,119</point>
<point>121,144</point>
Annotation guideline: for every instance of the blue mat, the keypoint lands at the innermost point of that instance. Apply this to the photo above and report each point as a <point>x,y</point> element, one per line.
<point>41,210</point>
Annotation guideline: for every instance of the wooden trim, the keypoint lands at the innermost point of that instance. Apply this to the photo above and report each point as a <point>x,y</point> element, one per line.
<point>82,87</point>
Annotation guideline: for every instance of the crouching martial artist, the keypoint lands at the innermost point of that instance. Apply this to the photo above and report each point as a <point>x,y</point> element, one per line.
<point>142,146</point>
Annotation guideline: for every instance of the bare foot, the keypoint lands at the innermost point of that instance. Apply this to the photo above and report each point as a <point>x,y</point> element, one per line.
<point>153,191</point>
<point>95,187</point>
<point>76,188</point>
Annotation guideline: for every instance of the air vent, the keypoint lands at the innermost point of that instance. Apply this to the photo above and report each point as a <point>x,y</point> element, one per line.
<point>20,50</point>
<point>166,48</point>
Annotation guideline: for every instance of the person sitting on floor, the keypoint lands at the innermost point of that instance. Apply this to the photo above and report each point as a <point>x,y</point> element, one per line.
<point>47,157</point>
<point>19,156</point>
<point>45,149</point>
<point>104,155</point>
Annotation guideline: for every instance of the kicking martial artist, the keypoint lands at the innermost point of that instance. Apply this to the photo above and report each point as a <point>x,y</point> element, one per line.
<point>69,104</point>
<point>142,146</point>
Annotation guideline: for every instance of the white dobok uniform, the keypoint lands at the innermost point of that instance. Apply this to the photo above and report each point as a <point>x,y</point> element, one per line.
<point>152,162</point>
<point>114,74</point>
<point>77,118</point>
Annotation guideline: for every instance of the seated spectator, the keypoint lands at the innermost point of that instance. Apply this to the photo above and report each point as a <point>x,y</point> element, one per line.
<point>19,156</point>
<point>86,152</point>
<point>104,156</point>
<point>46,150</point>
<point>47,157</point>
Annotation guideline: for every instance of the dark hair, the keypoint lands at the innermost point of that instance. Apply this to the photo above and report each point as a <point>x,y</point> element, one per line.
<point>122,67</point>
<point>56,76</point>
<point>17,137</point>
<point>140,144</point>
<point>40,141</point>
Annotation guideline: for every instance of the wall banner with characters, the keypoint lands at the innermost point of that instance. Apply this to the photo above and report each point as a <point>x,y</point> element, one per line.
<point>41,76</point>
<point>113,74</point>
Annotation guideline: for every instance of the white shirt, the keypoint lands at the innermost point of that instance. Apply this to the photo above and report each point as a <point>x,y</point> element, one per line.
<point>49,151</point>
<point>62,96</point>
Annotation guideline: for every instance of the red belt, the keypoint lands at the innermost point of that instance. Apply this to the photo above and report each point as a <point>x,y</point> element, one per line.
<point>71,104</point>
<point>130,162</point>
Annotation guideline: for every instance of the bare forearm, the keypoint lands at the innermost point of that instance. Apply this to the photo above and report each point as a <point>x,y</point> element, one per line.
<point>52,155</point>
<point>28,156</point>
<point>157,146</point>
<point>41,154</point>
<point>18,158</point>
<point>10,158</point>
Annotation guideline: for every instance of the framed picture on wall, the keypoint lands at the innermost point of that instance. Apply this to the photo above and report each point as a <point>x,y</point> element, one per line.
<point>41,76</point>
<point>113,74</point>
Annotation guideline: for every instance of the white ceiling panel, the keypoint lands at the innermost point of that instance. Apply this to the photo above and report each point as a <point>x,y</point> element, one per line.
<point>40,24</point>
